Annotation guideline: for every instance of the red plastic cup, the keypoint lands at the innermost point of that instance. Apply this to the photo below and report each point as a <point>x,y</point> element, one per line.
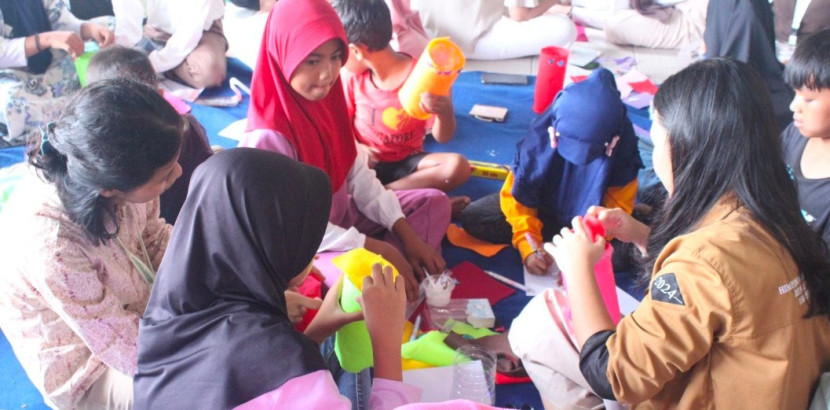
<point>550,77</point>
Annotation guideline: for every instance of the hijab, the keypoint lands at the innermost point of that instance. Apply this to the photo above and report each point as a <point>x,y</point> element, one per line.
<point>216,332</point>
<point>320,131</point>
<point>563,181</point>
<point>743,30</point>
<point>28,17</point>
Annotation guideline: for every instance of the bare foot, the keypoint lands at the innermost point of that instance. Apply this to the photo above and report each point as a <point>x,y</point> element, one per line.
<point>457,204</point>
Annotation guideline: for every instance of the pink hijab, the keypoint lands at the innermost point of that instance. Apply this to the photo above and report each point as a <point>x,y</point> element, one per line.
<point>320,131</point>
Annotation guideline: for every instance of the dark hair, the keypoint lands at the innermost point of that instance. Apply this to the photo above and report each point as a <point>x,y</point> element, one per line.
<point>723,141</point>
<point>248,4</point>
<point>114,134</point>
<point>367,22</point>
<point>121,62</point>
<point>810,64</point>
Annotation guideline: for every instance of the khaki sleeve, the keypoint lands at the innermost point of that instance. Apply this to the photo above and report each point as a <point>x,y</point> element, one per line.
<point>687,308</point>
<point>523,219</point>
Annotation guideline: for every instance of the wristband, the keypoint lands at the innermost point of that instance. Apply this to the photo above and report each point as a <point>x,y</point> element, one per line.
<point>37,42</point>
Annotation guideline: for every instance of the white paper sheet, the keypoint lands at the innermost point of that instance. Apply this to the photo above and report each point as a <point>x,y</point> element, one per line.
<point>235,130</point>
<point>436,383</point>
<point>581,56</point>
<point>536,284</point>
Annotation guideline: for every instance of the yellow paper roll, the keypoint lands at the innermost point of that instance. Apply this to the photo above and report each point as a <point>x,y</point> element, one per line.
<point>434,73</point>
<point>352,344</point>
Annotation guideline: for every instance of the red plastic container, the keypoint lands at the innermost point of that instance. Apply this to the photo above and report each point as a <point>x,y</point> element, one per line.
<point>550,76</point>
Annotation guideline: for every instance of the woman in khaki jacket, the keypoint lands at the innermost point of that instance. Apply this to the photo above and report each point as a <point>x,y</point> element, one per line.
<point>736,315</point>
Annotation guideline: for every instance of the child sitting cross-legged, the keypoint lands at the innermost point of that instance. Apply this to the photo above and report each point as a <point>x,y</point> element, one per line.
<point>394,140</point>
<point>581,153</point>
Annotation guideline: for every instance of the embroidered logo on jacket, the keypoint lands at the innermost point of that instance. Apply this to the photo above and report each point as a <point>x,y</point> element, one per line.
<point>665,289</point>
<point>798,288</point>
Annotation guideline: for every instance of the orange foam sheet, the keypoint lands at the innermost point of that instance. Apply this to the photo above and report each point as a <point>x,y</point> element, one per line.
<point>459,237</point>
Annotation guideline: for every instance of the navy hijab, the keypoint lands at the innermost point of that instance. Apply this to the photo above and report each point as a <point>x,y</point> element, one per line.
<point>563,182</point>
<point>28,17</point>
<point>216,333</point>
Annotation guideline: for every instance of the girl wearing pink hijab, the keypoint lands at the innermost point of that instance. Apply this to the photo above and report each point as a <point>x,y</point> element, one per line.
<point>298,109</point>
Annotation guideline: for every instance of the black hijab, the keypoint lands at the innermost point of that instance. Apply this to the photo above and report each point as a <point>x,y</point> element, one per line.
<point>28,17</point>
<point>216,333</point>
<point>744,30</point>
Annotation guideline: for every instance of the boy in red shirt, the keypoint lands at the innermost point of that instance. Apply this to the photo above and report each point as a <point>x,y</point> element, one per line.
<point>395,141</point>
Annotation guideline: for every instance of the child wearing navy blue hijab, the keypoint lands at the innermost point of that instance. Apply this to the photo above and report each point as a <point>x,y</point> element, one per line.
<point>581,152</point>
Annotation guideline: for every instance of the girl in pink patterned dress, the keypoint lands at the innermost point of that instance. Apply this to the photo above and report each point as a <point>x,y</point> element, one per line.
<point>82,241</point>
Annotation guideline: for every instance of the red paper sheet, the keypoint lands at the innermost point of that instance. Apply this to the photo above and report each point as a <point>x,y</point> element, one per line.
<point>505,379</point>
<point>474,283</point>
<point>312,288</point>
<point>645,86</point>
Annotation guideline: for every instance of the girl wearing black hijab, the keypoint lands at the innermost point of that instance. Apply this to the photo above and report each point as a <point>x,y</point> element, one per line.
<point>216,333</point>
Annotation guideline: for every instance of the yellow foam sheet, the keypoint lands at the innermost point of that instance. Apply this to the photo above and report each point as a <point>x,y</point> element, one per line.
<point>352,343</point>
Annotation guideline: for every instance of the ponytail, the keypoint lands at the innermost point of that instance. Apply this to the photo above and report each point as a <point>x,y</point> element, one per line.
<point>83,204</point>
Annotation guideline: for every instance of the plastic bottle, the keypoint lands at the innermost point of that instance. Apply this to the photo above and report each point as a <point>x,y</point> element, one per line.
<point>435,72</point>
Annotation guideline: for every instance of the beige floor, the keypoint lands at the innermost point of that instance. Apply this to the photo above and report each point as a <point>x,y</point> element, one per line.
<point>657,64</point>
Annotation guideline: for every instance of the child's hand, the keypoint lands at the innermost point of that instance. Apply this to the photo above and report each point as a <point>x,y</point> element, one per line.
<point>391,254</point>
<point>538,264</point>
<point>424,259</point>
<point>331,316</point>
<point>574,250</point>
<point>384,304</point>
<point>68,41</point>
<point>440,105</point>
<point>298,305</point>
<point>619,224</point>
<point>97,33</point>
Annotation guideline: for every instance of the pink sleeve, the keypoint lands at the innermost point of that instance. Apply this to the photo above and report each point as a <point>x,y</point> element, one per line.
<point>270,140</point>
<point>407,27</point>
<point>318,391</point>
<point>389,394</point>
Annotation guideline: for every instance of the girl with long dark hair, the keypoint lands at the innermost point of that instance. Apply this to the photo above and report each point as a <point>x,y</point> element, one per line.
<point>736,311</point>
